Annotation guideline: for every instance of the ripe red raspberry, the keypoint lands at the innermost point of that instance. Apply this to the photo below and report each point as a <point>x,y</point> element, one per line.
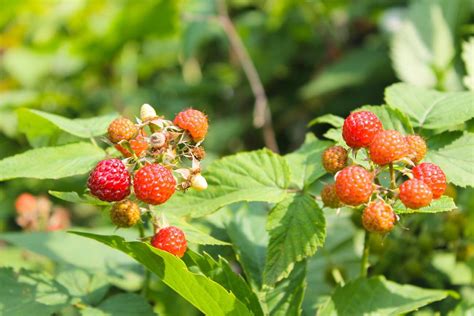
<point>193,121</point>
<point>354,185</point>
<point>433,176</point>
<point>415,193</point>
<point>334,159</point>
<point>170,239</point>
<point>121,129</point>
<point>329,196</point>
<point>110,180</point>
<point>139,145</point>
<point>378,217</point>
<point>125,213</point>
<point>388,146</point>
<point>360,128</point>
<point>417,148</point>
<point>154,184</point>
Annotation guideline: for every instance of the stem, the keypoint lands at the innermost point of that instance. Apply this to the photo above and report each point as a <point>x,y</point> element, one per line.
<point>364,264</point>
<point>393,183</point>
<point>146,280</point>
<point>94,142</point>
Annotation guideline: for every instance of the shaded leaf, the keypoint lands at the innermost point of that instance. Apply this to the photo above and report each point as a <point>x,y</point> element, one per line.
<point>123,304</point>
<point>443,204</point>
<point>73,197</point>
<point>89,288</point>
<point>331,119</point>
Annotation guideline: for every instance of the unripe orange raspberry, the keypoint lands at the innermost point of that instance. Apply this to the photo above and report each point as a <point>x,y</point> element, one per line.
<point>139,145</point>
<point>334,159</point>
<point>416,148</point>
<point>388,146</point>
<point>193,121</point>
<point>354,185</point>
<point>121,129</point>
<point>125,213</point>
<point>415,194</point>
<point>378,217</point>
<point>433,176</point>
<point>329,196</point>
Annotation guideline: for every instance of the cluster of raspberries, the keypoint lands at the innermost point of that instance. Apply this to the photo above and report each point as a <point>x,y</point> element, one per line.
<point>154,152</point>
<point>389,152</point>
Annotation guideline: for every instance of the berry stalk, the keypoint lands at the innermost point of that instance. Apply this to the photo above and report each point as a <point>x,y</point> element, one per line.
<point>364,263</point>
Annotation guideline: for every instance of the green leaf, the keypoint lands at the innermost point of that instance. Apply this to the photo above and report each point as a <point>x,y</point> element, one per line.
<point>331,119</point>
<point>250,176</point>
<point>84,128</point>
<point>124,304</point>
<point>467,53</point>
<point>26,293</point>
<point>391,118</point>
<point>193,234</point>
<point>89,288</point>
<point>221,272</point>
<point>443,204</point>
<point>378,296</point>
<point>51,162</point>
<point>431,109</point>
<point>305,163</point>
<point>456,160</point>
<point>73,197</point>
<point>297,228</point>
<point>205,294</point>
<point>248,238</point>
<point>286,297</point>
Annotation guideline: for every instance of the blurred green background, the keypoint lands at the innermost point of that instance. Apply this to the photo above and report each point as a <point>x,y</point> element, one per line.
<point>80,59</point>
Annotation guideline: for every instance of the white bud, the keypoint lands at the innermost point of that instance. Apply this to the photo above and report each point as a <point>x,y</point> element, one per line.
<point>198,182</point>
<point>157,140</point>
<point>147,112</point>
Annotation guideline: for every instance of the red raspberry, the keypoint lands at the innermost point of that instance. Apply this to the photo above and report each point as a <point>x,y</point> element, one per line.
<point>139,145</point>
<point>329,196</point>
<point>378,217</point>
<point>334,159</point>
<point>154,184</point>
<point>25,203</point>
<point>193,121</point>
<point>360,128</point>
<point>415,193</point>
<point>388,146</point>
<point>170,239</point>
<point>110,180</point>
<point>417,148</point>
<point>121,129</point>
<point>354,185</point>
<point>433,176</point>
<point>125,213</point>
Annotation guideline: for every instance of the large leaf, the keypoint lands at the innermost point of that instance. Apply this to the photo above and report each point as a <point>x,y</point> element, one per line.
<point>73,197</point>
<point>443,204</point>
<point>88,288</point>
<point>51,162</point>
<point>84,128</point>
<point>193,233</point>
<point>431,109</point>
<point>391,118</point>
<point>378,296</point>
<point>251,176</point>
<point>297,228</point>
<point>123,304</point>
<point>331,119</point>
<point>205,294</point>
<point>305,163</point>
<point>456,160</point>
<point>26,293</point>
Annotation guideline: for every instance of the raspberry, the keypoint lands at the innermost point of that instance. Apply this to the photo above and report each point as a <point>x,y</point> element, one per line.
<point>433,176</point>
<point>193,121</point>
<point>417,148</point>
<point>25,203</point>
<point>125,213</point>
<point>170,239</point>
<point>388,146</point>
<point>378,217</point>
<point>354,185</point>
<point>334,159</point>
<point>360,128</point>
<point>415,193</point>
<point>121,129</point>
<point>154,184</point>
<point>139,145</point>
<point>329,196</point>
<point>110,180</point>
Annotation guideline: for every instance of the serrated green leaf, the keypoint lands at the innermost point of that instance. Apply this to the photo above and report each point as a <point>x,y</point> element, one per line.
<point>431,109</point>
<point>51,162</point>
<point>26,293</point>
<point>331,119</point>
<point>205,294</point>
<point>84,128</point>
<point>378,296</point>
<point>123,304</point>
<point>297,227</point>
<point>305,163</point>
<point>391,118</point>
<point>251,176</point>
<point>89,288</point>
<point>456,160</point>
<point>74,197</point>
<point>443,204</point>
<point>467,57</point>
